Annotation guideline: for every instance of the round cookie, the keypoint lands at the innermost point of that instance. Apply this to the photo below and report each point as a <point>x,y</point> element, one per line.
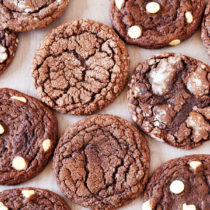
<point>28,134</point>
<point>80,67</point>
<point>169,99</point>
<point>102,162</point>
<point>8,46</point>
<point>156,24</point>
<point>205,32</point>
<point>31,198</point>
<point>182,183</point>
<point>27,15</point>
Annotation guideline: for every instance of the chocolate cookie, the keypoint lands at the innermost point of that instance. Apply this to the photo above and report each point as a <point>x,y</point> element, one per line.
<point>182,183</point>
<point>27,15</point>
<point>8,46</point>
<point>80,67</point>
<point>28,134</point>
<point>102,162</point>
<point>156,24</point>
<point>169,99</point>
<point>31,199</point>
<point>205,32</point>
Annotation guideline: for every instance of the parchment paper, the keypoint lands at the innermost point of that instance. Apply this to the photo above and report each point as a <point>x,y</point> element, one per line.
<point>18,76</point>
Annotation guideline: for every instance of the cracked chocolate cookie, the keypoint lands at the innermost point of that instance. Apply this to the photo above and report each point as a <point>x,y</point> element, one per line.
<point>102,162</point>
<point>31,199</point>
<point>169,99</point>
<point>28,134</point>
<point>156,24</point>
<point>205,32</point>
<point>27,15</point>
<point>8,46</point>
<point>182,183</point>
<point>80,67</point>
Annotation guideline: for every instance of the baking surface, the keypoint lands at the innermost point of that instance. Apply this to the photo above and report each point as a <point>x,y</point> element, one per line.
<point>18,76</point>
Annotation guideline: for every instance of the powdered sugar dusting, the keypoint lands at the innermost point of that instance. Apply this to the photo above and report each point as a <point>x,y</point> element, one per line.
<point>197,83</point>
<point>161,77</point>
<point>201,128</point>
<point>161,115</point>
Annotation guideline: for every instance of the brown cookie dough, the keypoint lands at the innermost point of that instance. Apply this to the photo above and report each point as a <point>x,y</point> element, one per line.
<point>205,32</point>
<point>182,183</point>
<point>31,199</point>
<point>28,134</point>
<point>169,99</point>
<point>158,23</point>
<point>102,162</point>
<point>80,67</point>
<point>8,46</point>
<point>27,15</point>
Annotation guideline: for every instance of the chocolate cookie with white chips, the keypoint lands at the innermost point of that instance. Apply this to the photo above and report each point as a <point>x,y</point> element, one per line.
<point>182,183</point>
<point>31,198</point>
<point>28,135</point>
<point>8,46</point>
<point>156,24</point>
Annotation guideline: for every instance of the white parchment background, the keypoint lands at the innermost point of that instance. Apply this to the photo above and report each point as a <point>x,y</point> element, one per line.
<point>18,76</point>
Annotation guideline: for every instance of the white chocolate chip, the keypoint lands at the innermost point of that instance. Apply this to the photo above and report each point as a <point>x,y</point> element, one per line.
<point>203,66</point>
<point>177,187</point>
<point>2,206</point>
<point>189,17</point>
<point>119,3</point>
<point>2,49</point>
<point>175,42</point>
<point>3,54</point>
<point>1,129</point>
<point>28,193</point>
<point>156,138</point>
<point>22,99</point>
<point>195,164</point>
<point>152,7</point>
<point>134,32</point>
<point>46,144</point>
<point>19,163</point>
<point>147,205</point>
<point>188,207</point>
<point>134,118</point>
